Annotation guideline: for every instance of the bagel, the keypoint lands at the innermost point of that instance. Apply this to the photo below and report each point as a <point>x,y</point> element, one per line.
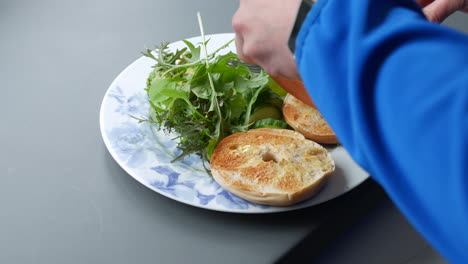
<point>271,166</point>
<point>307,120</point>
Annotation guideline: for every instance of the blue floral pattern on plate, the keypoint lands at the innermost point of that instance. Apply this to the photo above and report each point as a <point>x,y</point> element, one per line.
<point>146,153</point>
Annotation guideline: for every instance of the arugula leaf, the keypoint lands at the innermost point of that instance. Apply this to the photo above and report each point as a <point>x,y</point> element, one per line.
<point>194,52</point>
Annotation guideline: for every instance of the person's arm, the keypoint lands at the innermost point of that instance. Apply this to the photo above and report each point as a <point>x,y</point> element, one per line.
<point>394,88</point>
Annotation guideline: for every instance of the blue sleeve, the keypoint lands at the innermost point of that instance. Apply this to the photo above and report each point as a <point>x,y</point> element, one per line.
<point>394,88</point>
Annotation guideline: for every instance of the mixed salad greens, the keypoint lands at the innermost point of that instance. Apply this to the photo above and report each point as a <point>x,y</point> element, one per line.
<point>202,98</point>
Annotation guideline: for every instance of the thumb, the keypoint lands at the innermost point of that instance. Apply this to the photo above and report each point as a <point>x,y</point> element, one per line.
<point>439,10</point>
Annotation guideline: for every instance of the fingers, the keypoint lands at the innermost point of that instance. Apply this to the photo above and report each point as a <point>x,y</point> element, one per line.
<point>438,10</point>
<point>244,23</point>
<point>262,29</point>
<point>249,42</point>
<point>239,30</point>
<point>240,49</point>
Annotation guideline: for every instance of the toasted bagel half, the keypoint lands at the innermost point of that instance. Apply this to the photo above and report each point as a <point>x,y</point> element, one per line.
<point>307,120</point>
<point>271,166</point>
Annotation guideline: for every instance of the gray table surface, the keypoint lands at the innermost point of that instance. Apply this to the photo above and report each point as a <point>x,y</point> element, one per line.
<point>63,199</point>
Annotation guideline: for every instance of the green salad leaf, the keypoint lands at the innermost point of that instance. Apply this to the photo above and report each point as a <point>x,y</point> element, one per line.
<point>202,98</point>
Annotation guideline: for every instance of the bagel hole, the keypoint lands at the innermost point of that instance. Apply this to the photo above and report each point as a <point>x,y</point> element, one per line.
<point>233,147</point>
<point>268,156</point>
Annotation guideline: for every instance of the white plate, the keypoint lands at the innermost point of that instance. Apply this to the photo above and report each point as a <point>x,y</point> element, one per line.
<point>145,154</point>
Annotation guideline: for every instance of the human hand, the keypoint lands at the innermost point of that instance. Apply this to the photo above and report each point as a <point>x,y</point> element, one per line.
<point>262,30</point>
<point>439,10</point>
